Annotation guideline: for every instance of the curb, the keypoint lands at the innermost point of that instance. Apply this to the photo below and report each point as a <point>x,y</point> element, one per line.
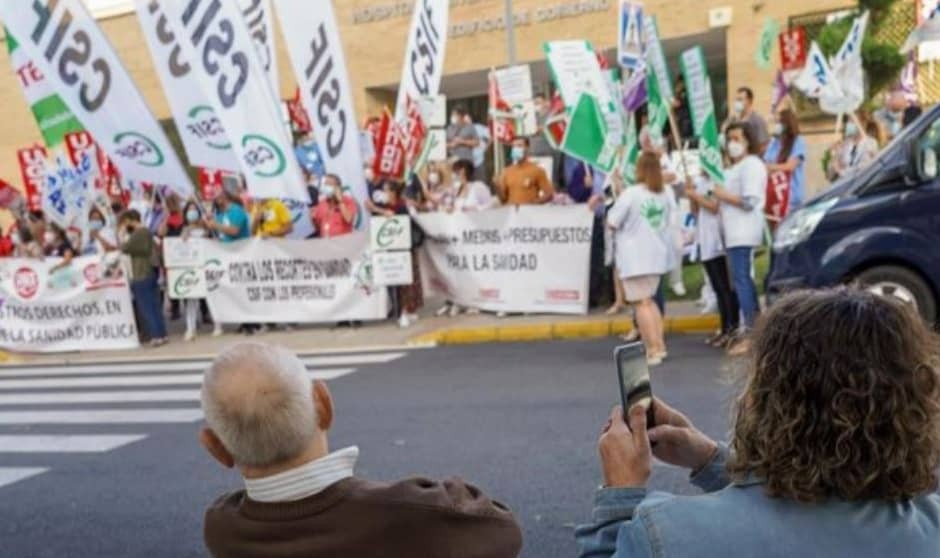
<point>558,330</point>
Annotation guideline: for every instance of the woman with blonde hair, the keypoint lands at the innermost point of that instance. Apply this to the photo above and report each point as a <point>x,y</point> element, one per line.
<point>640,219</point>
<point>835,448</point>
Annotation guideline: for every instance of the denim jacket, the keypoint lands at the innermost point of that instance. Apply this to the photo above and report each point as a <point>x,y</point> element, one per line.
<point>739,520</point>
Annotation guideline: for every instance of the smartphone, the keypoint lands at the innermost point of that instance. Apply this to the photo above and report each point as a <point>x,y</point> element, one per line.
<point>634,377</point>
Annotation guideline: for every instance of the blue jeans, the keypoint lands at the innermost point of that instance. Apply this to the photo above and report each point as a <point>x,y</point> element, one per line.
<point>739,259</point>
<point>149,306</point>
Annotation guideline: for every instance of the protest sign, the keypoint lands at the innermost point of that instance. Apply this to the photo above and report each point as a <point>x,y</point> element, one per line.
<point>434,110</point>
<point>704,121</point>
<point>515,83</point>
<point>33,170</point>
<point>293,281</point>
<point>437,142</point>
<point>78,308</point>
<point>391,269</point>
<point>630,43</point>
<point>424,55</point>
<point>51,113</point>
<point>239,94</point>
<point>793,49</point>
<point>186,283</point>
<point>390,233</point>
<point>185,267</point>
<point>316,54</point>
<point>66,192</point>
<point>525,259</point>
<point>67,46</point>
<point>178,252</point>
<point>201,131</point>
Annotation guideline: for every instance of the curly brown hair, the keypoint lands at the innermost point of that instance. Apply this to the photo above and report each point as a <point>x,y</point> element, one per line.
<point>842,400</point>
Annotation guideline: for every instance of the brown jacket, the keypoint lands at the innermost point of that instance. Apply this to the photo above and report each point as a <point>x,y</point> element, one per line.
<point>355,518</point>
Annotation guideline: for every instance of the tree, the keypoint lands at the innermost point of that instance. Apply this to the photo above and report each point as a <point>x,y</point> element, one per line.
<point>881,59</point>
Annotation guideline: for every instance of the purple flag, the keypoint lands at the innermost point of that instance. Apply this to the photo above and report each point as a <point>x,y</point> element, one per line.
<point>634,90</point>
<point>779,92</point>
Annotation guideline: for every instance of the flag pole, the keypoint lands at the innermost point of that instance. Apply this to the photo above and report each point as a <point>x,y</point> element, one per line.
<point>675,138</point>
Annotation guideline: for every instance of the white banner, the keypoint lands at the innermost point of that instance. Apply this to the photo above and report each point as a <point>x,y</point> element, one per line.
<point>225,64</point>
<point>525,259</point>
<point>203,135</point>
<point>424,56</point>
<point>68,47</point>
<point>74,309</point>
<point>293,281</point>
<point>260,23</point>
<point>316,54</point>
<point>515,84</point>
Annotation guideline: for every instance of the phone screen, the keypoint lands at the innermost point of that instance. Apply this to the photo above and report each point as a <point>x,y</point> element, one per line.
<point>634,379</point>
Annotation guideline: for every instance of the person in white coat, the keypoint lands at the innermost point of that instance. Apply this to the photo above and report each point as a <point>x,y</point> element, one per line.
<point>741,200</point>
<point>640,219</point>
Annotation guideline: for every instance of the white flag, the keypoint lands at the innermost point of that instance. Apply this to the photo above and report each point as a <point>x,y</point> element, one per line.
<point>424,57</point>
<point>203,135</point>
<point>225,64</point>
<point>816,75</point>
<point>316,54</point>
<point>260,24</point>
<point>851,49</point>
<point>68,47</point>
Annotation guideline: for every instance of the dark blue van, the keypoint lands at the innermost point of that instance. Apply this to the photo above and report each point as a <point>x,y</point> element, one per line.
<point>879,228</point>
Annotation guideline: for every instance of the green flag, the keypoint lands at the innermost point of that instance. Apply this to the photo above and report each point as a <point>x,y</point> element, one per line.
<point>768,38</point>
<point>586,135</point>
<point>54,118</point>
<point>657,109</point>
<point>704,121</point>
<point>631,152</point>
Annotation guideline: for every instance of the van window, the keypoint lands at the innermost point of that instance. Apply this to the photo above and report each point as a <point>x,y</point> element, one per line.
<point>928,152</point>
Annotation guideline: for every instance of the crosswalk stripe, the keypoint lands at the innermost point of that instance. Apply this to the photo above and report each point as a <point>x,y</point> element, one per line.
<point>65,444</point>
<point>120,396</point>
<point>184,366</point>
<point>148,380</point>
<point>10,475</point>
<point>96,416</point>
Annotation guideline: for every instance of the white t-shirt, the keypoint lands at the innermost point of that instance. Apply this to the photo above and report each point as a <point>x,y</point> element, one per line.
<point>708,226</point>
<point>476,198</point>
<point>643,235</point>
<point>748,180</point>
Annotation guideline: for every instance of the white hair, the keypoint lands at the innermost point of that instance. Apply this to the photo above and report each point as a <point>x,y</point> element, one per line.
<point>257,399</point>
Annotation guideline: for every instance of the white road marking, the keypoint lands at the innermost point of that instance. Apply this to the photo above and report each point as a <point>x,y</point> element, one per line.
<point>97,416</point>
<point>151,380</point>
<point>28,443</point>
<point>10,475</point>
<point>184,366</point>
<point>62,397</point>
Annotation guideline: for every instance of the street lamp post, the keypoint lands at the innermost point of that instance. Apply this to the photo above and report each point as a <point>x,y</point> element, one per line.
<point>510,33</point>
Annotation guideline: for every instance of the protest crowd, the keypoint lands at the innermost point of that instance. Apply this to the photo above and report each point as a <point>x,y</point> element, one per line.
<point>598,199</point>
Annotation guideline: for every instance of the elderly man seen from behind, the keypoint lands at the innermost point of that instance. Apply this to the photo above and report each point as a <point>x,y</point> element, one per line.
<point>266,418</point>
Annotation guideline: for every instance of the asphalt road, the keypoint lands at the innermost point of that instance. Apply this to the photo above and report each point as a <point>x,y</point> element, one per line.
<point>108,463</point>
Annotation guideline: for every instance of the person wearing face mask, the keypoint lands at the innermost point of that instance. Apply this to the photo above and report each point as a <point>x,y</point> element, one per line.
<point>741,208</point>
<point>195,228</point>
<point>438,189</point>
<point>523,182</point>
<point>139,246</point>
<point>102,238</point>
<point>335,215</point>
<point>787,153</point>
<point>854,152</point>
<point>56,244</point>
<point>891,115</point>
<point>230,221</point>
<point>743,112</point>
<point>462,136</point>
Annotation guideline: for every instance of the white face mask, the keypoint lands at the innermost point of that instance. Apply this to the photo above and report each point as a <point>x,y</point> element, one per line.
<point>777,129</point>
<point>434,178</point>
<point>739,107</point>
<point>454,119</point>
<point>15,238</point>
<point>48,237</point>
<point>735,149</point>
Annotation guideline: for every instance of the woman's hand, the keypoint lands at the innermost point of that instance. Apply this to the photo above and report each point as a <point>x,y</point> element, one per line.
<point>626,459</point>
<point>677,440</point>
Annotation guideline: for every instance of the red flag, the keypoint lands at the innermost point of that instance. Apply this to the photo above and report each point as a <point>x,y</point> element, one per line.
<point>557,123</point>
<point>415,131</point>
<point>502,129</point>
<point>298,115</point>
<point>373,125</point>
<point>778,197</point>
<point>9,196</point>
<point>33,170</point>
<point>793,49</point>
<point>210,183</point>
<point>390,153</point>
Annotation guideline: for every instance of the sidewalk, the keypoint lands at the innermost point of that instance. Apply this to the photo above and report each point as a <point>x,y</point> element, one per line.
<point>681,317</point>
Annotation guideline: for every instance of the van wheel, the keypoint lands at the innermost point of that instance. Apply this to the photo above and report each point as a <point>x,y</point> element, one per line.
<point>902,284</point>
